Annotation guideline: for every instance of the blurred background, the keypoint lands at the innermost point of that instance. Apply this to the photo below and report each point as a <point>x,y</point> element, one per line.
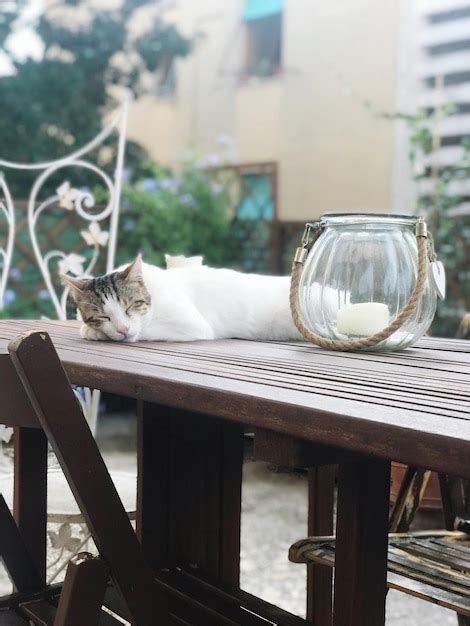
<point>248,118</point>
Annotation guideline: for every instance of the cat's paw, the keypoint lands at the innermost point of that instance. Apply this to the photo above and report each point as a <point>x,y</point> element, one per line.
<point>92,334</point>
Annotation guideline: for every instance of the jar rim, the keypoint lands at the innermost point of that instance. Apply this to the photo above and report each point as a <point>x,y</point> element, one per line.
<point>371,218</point>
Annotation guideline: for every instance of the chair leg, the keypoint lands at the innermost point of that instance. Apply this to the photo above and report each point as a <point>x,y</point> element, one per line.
<point>59,414</point>
<point>86,578</point>
<point>361,543</point>
<point>408,500</point>
<point>455,496</point>
<point>30,492</point>
<point>15,555</point>
<point>321,486</point>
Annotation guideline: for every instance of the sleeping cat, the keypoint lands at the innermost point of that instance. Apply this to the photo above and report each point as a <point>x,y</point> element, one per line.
<point>144,302</point>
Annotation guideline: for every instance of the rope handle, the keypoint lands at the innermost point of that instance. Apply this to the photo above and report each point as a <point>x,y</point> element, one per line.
<point>364,342</point>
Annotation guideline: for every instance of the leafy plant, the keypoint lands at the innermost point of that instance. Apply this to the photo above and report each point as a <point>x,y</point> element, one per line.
<point>183,212</point>
<point>451,230</point>
<point>56,103</point>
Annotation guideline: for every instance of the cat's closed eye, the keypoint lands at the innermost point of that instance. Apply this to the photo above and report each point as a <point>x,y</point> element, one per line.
<point>138,304</point>
<point>96,321</point>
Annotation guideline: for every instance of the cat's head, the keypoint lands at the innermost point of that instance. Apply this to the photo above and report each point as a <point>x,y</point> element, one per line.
<point>115,303</point>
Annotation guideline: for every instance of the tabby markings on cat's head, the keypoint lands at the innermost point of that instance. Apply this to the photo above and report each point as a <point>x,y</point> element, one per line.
<point>115,303</point>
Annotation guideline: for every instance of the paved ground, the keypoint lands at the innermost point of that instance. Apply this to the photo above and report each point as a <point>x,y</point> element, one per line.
<point>274,516</point>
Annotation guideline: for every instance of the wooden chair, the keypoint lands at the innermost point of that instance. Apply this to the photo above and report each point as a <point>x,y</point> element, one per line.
<point>37,399</point>
<point>431,565</point>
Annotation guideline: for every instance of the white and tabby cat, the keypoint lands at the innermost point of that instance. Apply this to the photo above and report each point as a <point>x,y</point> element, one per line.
<point>144,302</point>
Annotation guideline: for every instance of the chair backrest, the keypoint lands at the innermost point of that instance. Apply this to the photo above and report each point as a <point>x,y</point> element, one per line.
<point>47,393</point>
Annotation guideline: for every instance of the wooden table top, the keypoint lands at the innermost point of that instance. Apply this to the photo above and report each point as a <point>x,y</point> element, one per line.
<point>412,406</point>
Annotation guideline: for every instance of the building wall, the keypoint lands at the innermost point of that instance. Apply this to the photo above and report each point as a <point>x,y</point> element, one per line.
<point>333,152</point>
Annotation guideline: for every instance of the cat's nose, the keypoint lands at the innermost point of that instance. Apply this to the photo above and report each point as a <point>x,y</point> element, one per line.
<point>122,330</point>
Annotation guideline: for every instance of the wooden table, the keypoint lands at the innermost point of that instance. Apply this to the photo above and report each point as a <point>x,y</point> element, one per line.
<point>196,399</point>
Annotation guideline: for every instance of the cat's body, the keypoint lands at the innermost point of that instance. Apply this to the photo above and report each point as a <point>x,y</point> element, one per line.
<point>206,303</point>
<point>184,304</point>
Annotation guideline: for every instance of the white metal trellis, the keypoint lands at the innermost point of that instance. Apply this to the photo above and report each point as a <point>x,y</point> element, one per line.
<point>7,212</point>
<point>68,198</point>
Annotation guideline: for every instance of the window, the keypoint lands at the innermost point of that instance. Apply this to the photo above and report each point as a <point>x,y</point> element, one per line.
<point>166,80</point>
<point>256,202</point>
<point>263,21</point>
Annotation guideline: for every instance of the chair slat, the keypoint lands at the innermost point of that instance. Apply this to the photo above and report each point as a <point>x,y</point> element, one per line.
<point>428,572</point>
<point>113,601</point>
<point>210,605</point>
<point>427,567</point>
<point>9,617</point>
<point>108,620</point>
<point>451,558</point>
<point>458,545</point>
<point>87,577</point>
<point>429,593</point>
<point>40,612</point>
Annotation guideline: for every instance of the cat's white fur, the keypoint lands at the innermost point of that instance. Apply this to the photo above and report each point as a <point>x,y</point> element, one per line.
<point>193,303</point>
<point>182,261</point>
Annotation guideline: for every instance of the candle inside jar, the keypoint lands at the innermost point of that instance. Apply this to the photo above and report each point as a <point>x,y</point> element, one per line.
<point>363,319</point>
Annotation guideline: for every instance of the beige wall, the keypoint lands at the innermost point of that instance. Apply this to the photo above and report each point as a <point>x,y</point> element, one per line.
<point>333,153</point>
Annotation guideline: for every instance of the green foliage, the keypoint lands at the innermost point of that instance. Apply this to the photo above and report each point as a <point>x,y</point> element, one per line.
<point>451,232</point>
<point>56,104</point>
<point>178,213</point>
<point>183,212</point>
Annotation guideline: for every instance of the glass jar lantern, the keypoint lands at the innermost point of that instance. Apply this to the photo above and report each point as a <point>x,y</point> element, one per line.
<point>358,276</point>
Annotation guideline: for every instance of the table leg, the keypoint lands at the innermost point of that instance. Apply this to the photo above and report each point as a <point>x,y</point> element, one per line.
<point>361,543</point>
<point>189,491</point>
<point>30,492</point>
<point>321,485</point>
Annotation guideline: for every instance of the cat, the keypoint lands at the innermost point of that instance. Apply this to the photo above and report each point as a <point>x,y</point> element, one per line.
<point>144,302</point>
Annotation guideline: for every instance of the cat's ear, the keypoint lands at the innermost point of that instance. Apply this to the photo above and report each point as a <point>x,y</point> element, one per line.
<point>133,273</point>
<point>75,284</point>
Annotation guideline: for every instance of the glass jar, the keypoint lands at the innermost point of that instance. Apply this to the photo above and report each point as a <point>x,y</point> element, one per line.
<point>359,274</point>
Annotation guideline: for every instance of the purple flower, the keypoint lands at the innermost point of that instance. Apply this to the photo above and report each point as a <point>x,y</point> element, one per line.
<point>210,160</point>
<point>9,296</point>
<point>171,184</point>
<point>149,184</point>
<point>44,294</point>
<point>15,273</point>
<point>128,225</point>
<point>186,199</point>
<point>224,140</point>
